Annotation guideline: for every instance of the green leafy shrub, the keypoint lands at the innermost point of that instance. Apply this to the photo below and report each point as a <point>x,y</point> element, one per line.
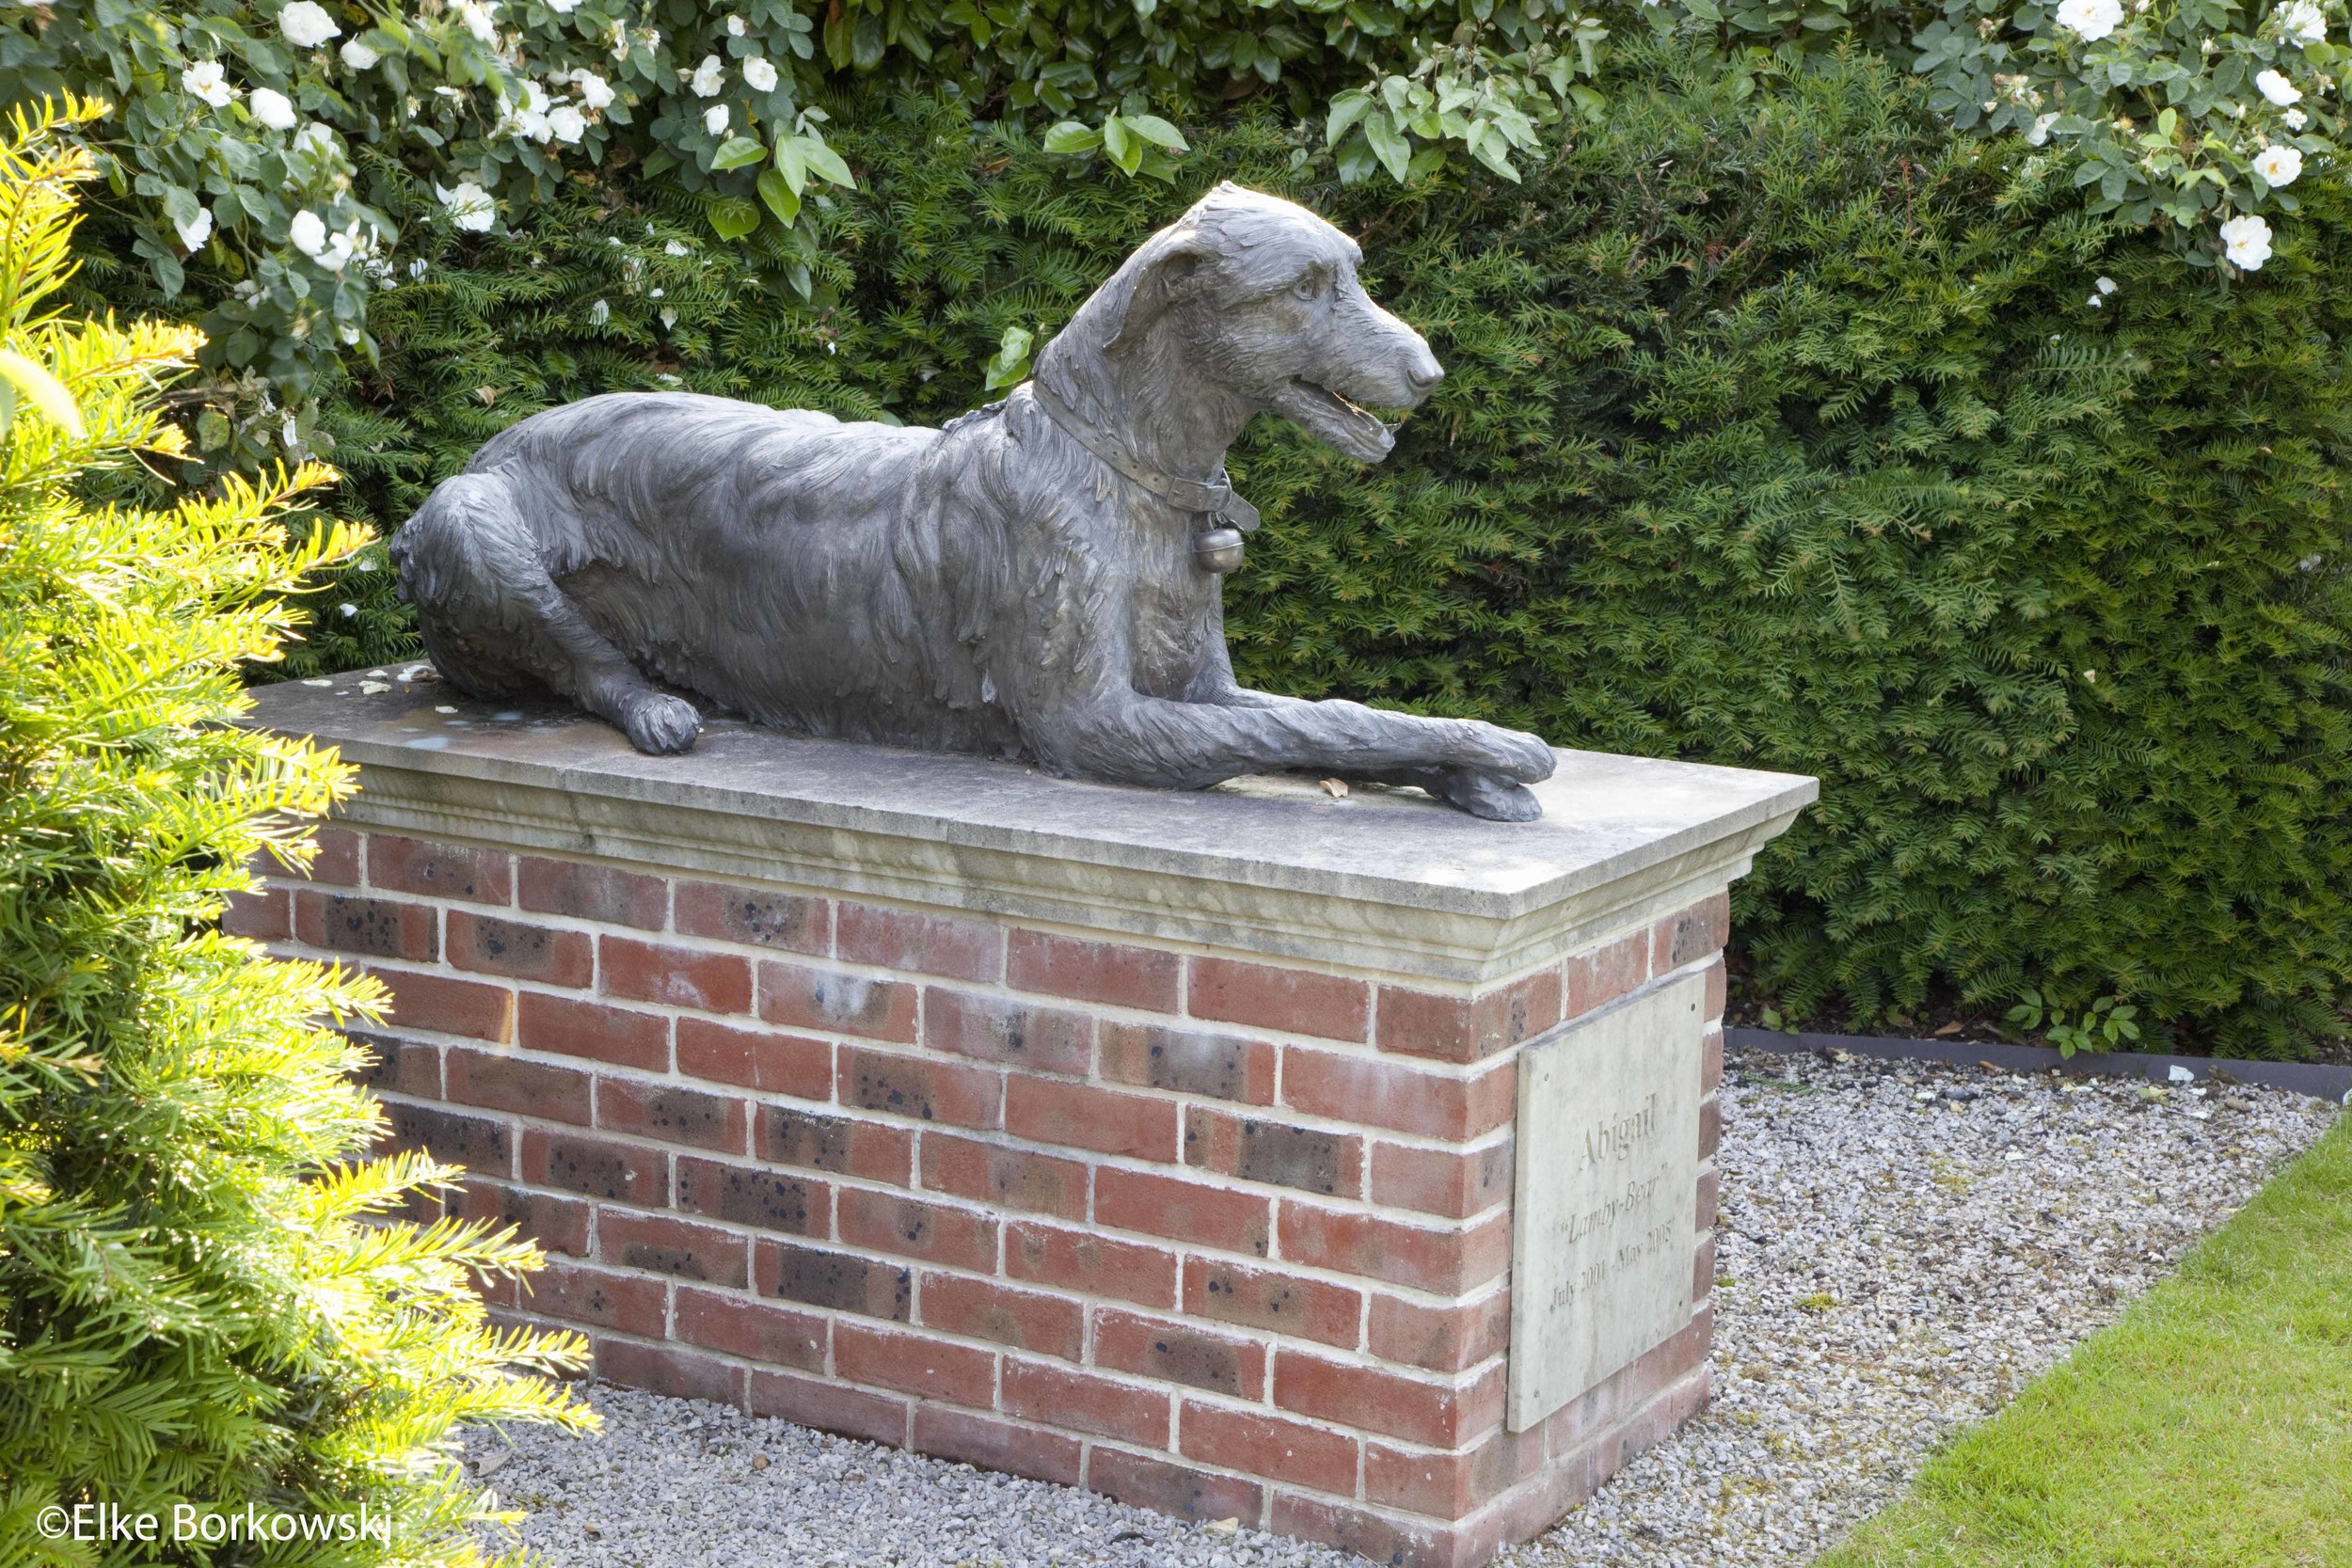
<point>202,1301</point>
<point>1784,426</point>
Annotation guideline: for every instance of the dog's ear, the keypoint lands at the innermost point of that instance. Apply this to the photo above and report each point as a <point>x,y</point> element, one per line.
<point>1160,275</point>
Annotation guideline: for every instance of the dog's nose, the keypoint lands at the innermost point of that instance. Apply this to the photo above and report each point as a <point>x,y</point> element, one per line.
<point>1423,372</point>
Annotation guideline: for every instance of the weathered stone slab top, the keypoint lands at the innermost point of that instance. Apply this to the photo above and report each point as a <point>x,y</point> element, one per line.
<point>1380,880</point>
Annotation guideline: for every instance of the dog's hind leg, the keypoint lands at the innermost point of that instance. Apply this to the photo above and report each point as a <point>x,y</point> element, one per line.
<point>495,621</point>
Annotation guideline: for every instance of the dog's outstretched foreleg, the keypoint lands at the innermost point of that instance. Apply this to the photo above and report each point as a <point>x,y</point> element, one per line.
<point>1129,739</point>
<point>491,614</point>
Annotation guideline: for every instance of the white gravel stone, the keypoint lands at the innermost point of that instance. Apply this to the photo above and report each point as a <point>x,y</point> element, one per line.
<point>1900,1248</point>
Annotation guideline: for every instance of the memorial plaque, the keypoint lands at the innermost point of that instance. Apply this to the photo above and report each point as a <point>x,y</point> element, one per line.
<point>1605,1212</point>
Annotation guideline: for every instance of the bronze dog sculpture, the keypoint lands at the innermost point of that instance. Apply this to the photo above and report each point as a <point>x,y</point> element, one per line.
<point>1039,578</point>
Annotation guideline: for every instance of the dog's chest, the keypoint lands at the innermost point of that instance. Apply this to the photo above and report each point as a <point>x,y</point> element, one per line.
<point>1177,619</point>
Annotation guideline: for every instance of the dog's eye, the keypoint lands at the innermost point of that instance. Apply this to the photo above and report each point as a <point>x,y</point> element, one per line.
<point>1309,287</point>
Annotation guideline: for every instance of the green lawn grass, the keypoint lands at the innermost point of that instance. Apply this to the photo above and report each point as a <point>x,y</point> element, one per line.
<point>2210,1427</point>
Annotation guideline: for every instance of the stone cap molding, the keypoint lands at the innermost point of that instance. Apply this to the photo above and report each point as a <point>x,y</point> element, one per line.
<point>1383,882</point>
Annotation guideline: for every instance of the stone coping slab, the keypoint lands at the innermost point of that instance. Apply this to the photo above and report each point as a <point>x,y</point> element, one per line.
<point>1386,878</point>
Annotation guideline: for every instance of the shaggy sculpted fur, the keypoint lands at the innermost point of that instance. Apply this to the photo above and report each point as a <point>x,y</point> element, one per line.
<point>993,586</point>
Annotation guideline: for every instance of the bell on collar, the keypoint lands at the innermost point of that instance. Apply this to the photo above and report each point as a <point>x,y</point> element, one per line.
<point>1217,549</point>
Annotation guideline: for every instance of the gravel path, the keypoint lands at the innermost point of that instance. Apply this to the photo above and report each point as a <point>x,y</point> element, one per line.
<point>1900,1248</point>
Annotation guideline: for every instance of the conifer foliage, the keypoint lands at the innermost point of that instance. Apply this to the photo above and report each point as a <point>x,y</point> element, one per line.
<point>1784,425</point>
<point>203,1298</point>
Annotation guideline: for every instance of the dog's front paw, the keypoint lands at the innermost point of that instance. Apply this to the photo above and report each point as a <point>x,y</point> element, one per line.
<point>660,725</point>
<point>1513,753</point>
<point>1485,795</point>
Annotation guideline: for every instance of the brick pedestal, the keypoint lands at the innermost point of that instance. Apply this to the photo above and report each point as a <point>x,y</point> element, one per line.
<point>1162,1145</point>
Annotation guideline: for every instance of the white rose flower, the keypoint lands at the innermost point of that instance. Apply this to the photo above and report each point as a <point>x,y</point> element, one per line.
<point>2276,87</point>
<point>358,55</point>
<point>735,26</point>
<point>567,124</point>
<point>193,235</point>
<point>205,80</point>
<point>2245,241</point>
<point>759,75</point>
<point>708,77</point>
<point>563,7</point>
<point>308,233</point>
<point>531,125</point>
<point>480,17</point>
<point>2279,166</point>
<point>469,206</point>
<point>2038,133</point>
<point>619,35</point>
<point>272,108</point>
<point>2296,120</point>
<point>2303,23</point>
<point>315,139</point>
<point>594,90</point>
<point>307,24</point>
<point>2092,19</point>
<point>715,120</point>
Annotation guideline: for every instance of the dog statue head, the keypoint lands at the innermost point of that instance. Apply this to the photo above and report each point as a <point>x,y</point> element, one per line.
<point>1256,300</point>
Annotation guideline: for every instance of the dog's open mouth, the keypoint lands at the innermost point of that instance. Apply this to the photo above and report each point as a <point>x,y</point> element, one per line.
<point>1330,418</point>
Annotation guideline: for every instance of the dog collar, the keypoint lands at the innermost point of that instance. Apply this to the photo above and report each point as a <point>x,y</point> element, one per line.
<point>1214,496</point>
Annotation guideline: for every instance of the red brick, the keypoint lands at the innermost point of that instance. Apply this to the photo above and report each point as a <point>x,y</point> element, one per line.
<point>1450,1485</point>
<point>1711,1126</point>
<point>763,1199</point>
<point>1279,1153</point>
<point>603,893</point>
<point>1437,1415</point>
<point>442,1005</point>
<point>1468,1028</point>
<point>621,1173</point>
<point>370,927</point>
<point>759,917</point>
<point>1712,1062</point>
<point>719,1321</point>
<point>995,1445</point>
<point>675,977</point>
<point>1448,1262</point>
<point>1270,1446</point>
<point>1081,1401</point>
<point>551,1222</point>
<point>437,870</point>
<point>1272,1299</point>
<point>923,944</point>
<point>493,946</point>
<point>830,1406</point>
<point>1708,1194</point>
<point>503,1083</point>
<point>1375,1536</point>
<point>1092,1265</point>
<point>597,1031</point>
<point>1007,1178</point>
<point>836,1280</point>
<point>1691,935</point>
<point>1178,1353</point>
<point>789,1137</point>
<point>265,916</point>
<point>983,1309</point>
<point>673,1114</point>
<point>660,1244</point>
<point>481,1144</point>
<point>1182,1210</point>
<point>756,1058</point>
<point>1110,973</point>
<point>1718,990</point>
<point>915,1364</point>
<point>336,863</point>
<point>914,1086</point>
<point>993,1029</point>
<point>601,1299</point>
<point>836,1003</point>
<point>1379,1092</point>
<point>1273,997</point>
<point>1597,978</point>
<point>1185,1061</point>
<point>1446,1338</point>
<point>680,1374</point>
<point>1178,1489</point>
<point>397,1066</point>
<point>1085,1115</point>
<point>909,1227</point>
<point>1703,1268</point>
<point>1456,1183</point>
